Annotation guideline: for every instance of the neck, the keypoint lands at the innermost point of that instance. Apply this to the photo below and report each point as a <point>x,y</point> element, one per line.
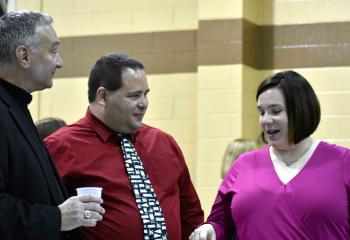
<point>15,77</point>
<point>96,110</point>
<point>294,152</point>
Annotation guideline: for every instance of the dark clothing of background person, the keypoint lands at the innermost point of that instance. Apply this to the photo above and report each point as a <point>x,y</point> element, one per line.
<point>30,188</point>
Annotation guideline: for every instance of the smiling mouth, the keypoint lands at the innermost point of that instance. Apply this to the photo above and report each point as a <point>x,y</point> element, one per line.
<point>139,115</point>
<point>272,132</point>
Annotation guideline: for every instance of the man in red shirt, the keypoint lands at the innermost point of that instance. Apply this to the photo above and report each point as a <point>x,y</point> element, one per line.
<point>88,153</point>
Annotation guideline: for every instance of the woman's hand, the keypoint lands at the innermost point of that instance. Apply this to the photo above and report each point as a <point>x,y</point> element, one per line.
<point>204,232</point>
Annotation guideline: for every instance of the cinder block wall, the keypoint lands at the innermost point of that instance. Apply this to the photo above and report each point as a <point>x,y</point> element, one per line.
<point>204,60</point>
<point>314,38</point>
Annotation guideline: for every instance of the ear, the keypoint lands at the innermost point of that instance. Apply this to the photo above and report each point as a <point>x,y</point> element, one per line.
<point>101,96</point>
<point>22,54</point>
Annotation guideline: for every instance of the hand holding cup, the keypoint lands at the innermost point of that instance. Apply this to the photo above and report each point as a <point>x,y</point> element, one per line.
<point>82,210</point>
<point>90,191</point>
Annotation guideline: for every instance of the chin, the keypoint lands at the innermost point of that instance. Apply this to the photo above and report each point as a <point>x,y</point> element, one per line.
<point>50,83</point>
<point>43,88</point>
<point>137,123</point>
<point>47,85</point>
<point>279,145</point>
<point>135,126</point>
<point>272,143</point>
<point>275,140</point>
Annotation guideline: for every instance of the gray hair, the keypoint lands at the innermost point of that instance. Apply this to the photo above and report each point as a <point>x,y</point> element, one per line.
<point>19,28</point>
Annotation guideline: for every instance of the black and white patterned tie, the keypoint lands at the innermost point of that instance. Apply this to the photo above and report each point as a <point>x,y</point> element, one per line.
<point>146,199</point>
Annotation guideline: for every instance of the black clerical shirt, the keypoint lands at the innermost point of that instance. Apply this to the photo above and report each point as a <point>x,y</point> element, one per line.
<point>23,98</point>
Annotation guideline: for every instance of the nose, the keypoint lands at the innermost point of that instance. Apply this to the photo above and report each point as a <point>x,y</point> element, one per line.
<point>266,118</point>
<point>59,61</point>
<point>143,103</point>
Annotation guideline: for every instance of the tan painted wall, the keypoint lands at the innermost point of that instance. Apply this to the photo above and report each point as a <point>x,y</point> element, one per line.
<point>90,17</point>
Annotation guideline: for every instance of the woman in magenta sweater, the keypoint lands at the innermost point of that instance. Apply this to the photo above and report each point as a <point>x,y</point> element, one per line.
<point>296,187</point>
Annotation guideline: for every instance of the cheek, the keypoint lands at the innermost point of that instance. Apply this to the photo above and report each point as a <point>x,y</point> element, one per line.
<point>284,121</point>
<point>127,110</point>
<point>260,121</point>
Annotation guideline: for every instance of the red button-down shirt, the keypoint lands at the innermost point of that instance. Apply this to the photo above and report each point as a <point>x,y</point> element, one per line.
<point>87,154</point>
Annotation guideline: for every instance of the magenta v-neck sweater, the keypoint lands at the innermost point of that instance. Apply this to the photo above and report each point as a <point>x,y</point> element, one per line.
<point>313,205</point>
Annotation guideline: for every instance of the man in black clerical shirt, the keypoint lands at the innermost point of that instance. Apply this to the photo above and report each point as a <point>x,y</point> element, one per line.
<point>32,197</point>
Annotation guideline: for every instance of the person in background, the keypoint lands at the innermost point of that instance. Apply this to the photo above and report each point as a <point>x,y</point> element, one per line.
<point>233,150</point>
<point>32,197</point>
<point>296,187</point>
<point>47,126</point>
<point>3,7</point>
<point>146,184</point>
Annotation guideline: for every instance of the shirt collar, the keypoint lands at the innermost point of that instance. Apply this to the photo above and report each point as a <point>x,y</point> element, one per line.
<point>102,130</point>
<point>18,94</point>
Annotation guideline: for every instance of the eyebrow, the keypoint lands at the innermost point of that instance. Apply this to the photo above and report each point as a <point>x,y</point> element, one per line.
<point>271,106</point>
<point>139,91</point>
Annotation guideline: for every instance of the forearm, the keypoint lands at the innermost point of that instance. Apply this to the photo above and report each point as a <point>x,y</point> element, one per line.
<point>220,218</point>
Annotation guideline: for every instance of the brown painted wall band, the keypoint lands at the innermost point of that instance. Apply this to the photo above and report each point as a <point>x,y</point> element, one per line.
<point>216,42</point>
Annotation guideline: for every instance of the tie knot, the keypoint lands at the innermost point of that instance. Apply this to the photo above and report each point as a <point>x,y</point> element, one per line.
<point>121,136</point>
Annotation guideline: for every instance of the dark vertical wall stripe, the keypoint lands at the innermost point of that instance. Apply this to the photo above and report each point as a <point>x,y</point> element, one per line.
<point>161,52</point>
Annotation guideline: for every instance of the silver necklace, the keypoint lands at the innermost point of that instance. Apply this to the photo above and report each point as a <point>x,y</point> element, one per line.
<point>297,158</point>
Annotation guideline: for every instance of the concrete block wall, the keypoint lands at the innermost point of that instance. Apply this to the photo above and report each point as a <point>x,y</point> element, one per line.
<point>226,86</point>
<point>326,30</point>
<point>109,17</point>
<point>172,108</point>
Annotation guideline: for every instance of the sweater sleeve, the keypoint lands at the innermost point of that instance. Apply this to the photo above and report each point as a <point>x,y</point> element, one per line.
<point>220,217</point>
<point>346,170</point>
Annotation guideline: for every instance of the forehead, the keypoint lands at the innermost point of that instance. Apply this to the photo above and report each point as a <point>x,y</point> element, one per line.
<point>134,73</point>
<point>272,96</point>
<point>47,35</point>
<point>133,76</point>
